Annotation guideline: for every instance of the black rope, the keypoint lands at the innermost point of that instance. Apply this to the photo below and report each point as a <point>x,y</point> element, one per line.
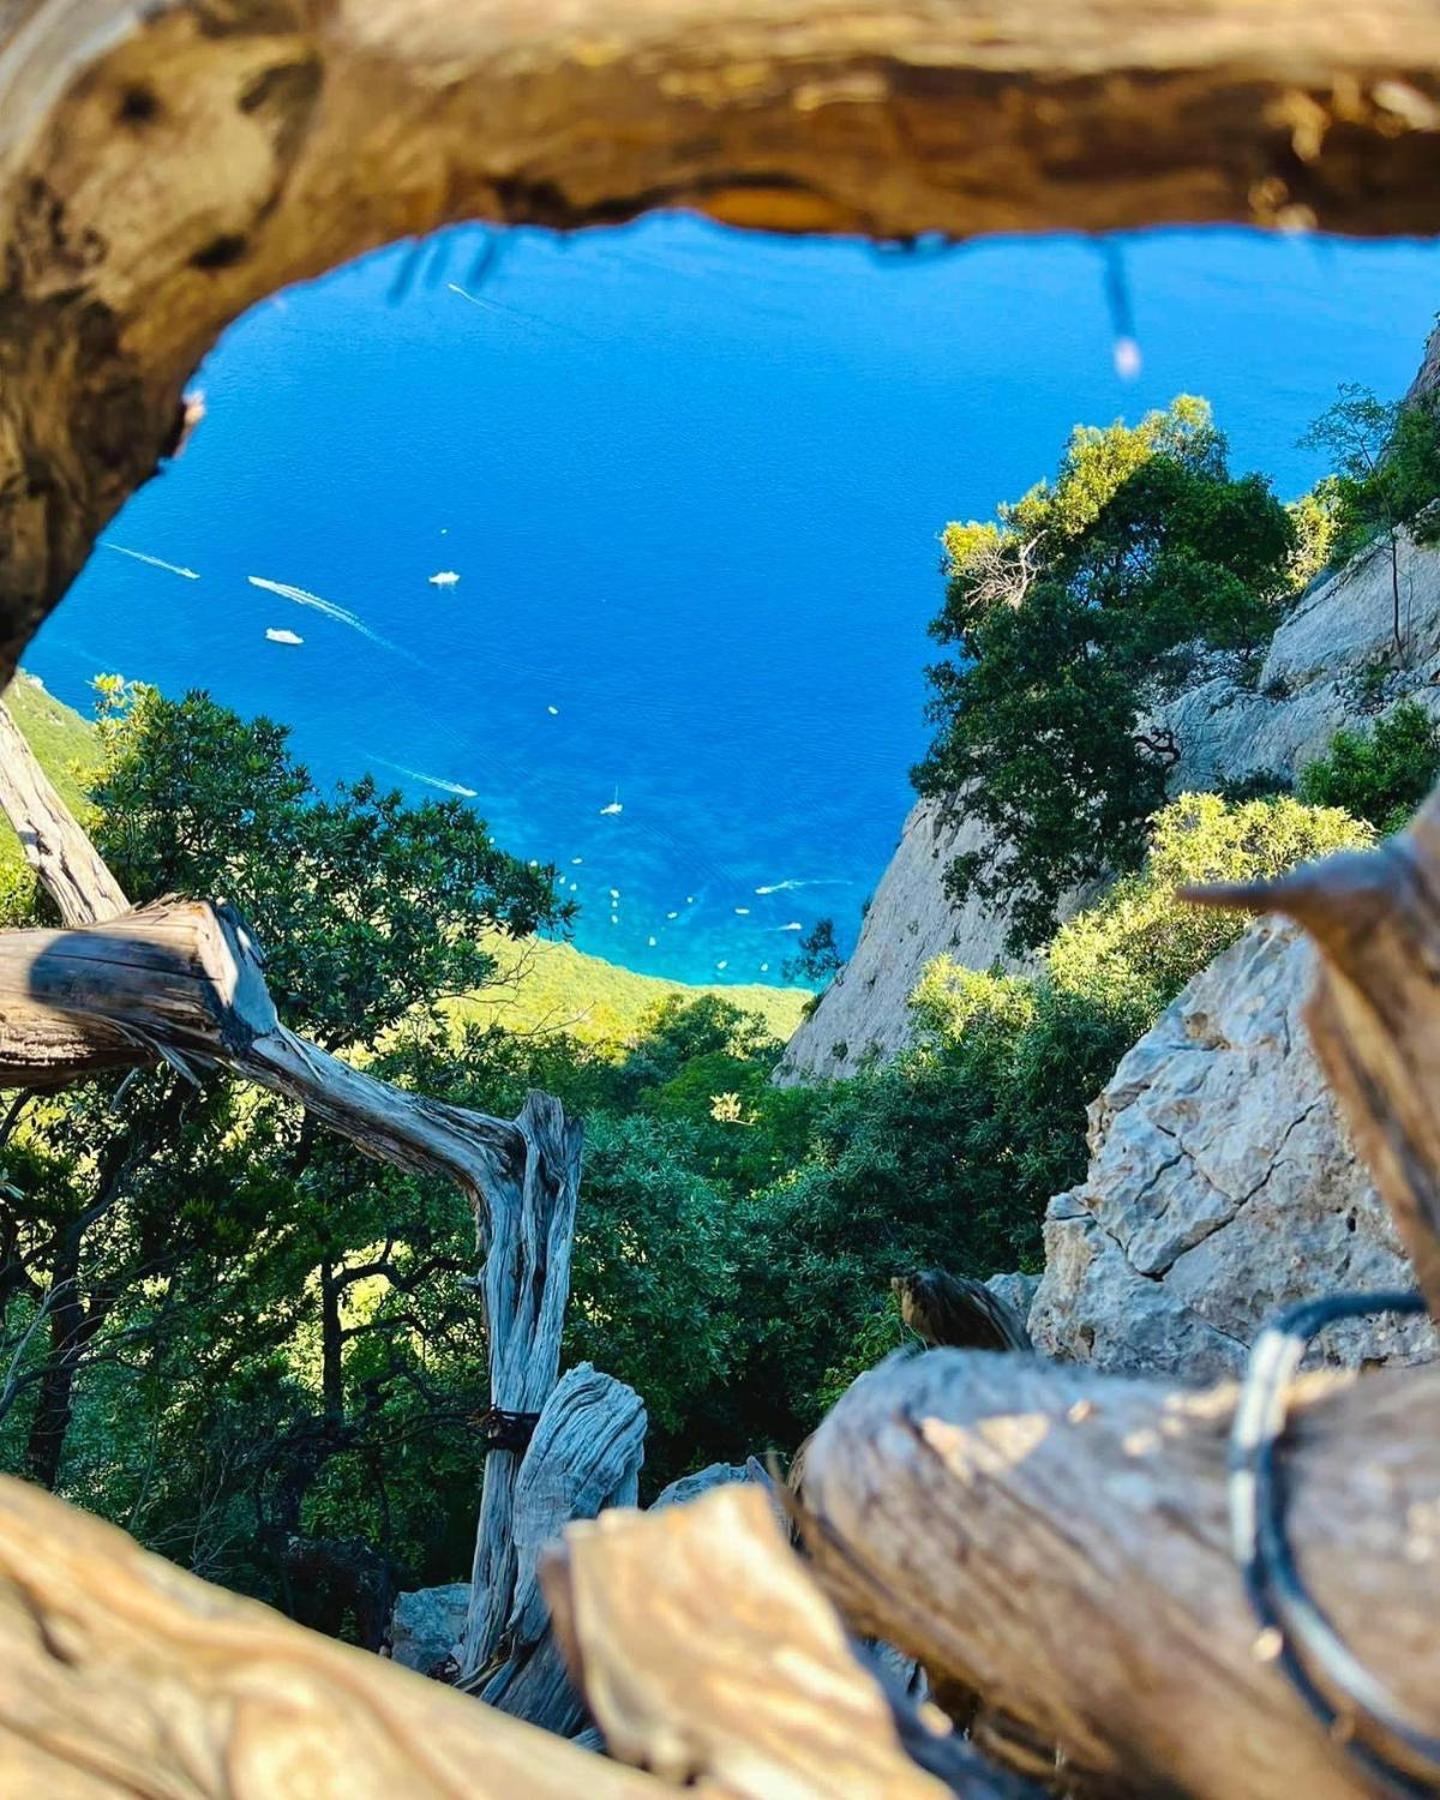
<point>504,1430</point>
<point>1306,1640</point>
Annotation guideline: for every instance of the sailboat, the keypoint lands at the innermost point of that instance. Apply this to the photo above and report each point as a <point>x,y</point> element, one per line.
<point>613,808</point>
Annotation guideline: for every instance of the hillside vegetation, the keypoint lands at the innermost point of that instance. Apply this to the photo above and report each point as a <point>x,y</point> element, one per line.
<point>543,985</point>
<point>261,1350</point>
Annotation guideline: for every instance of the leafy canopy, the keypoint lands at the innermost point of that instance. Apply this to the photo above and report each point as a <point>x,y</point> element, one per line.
<point>1386,457</point>
<point>1079,607</point>
<point>1381,774</point>
<point>366,906</point>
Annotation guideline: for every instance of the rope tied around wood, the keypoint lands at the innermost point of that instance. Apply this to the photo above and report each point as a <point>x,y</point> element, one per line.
<point>1342,1694</point>
<point>504,1430</point>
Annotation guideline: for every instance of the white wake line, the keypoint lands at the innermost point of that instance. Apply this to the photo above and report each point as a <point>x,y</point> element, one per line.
<point>784,887</point>
<point>340,614</point>
<point>435,781</point>
<point>155,562</point>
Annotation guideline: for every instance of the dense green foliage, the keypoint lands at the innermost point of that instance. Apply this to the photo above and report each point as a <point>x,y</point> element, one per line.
<point>256,1348</point>
<point>1386,474</point>
<point>1386,458</point>
<point>1380,774</point>
<point>357,897</point>
<point>1079,607</point>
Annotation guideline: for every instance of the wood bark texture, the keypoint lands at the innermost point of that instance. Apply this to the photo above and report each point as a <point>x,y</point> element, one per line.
<point>162,167</point>
<point>585,1456</point>
<point>708,1655</point>
<point>64,859</point>
<point>123,1676</point>
<point>1058,1542</point>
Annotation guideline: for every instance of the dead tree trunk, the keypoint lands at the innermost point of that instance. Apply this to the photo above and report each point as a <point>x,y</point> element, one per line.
<point>585,1457</point>
<point>126,1677</point>
<point>1058,1542</point>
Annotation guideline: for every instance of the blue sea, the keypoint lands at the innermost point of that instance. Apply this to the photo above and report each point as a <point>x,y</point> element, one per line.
<point>689,483</point>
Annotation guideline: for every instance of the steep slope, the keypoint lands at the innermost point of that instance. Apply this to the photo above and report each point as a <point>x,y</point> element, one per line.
<point>64,742</point>
<point>1325,668</point>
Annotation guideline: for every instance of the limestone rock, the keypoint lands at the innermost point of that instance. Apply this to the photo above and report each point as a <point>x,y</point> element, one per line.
<point>910,921</point>
<point>1221,1187</point>
<point>689,1487</point>
<point>427,1625</point>
<point>1015,1290</point>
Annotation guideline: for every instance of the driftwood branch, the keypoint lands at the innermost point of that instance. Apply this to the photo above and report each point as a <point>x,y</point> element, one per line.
<point>162,168</point>
<point>708,1655</point>
<point>1058,1542</point>
<point>585,1456</point>
<point>124,1676</point>
<point>55,846</point>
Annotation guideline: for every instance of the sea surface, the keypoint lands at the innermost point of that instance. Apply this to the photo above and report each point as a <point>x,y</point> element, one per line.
<point>689,483</point>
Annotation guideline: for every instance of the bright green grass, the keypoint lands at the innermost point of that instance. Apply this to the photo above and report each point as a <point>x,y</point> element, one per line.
<point>544,985</point>
<point>547,986</point>
<point>65,743</point>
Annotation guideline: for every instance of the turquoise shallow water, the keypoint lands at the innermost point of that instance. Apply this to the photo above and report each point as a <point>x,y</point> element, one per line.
<point>690,483</point>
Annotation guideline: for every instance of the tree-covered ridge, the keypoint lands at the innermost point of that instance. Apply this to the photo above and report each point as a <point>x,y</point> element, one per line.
<point>1085,604</point>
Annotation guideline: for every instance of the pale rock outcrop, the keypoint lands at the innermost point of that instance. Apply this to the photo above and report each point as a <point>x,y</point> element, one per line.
<point>1015,1290</point>
<point>910,921</point>
<point>1221,1187</point>
<point>427,1625</point>
<point>689,1487</point>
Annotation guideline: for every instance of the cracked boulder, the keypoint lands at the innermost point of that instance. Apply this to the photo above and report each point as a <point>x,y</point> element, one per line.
<point>1221,1187</point>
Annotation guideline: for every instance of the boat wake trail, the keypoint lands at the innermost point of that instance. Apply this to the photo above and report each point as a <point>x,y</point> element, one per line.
<point>328,609</point>
<point>155,562</point>
<point>436,781</point>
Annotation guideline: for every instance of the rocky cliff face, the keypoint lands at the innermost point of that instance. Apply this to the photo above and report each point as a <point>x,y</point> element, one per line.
<point>1325,668</point>
<point>910,921</point>
<point>1221,1187</point>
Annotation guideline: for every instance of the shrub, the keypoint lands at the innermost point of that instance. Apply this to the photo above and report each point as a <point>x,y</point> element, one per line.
<point>1136,948</point>
<point>1381,774</point>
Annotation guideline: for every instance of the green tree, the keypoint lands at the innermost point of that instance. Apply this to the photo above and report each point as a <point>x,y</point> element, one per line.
<point>1381,774</point>
<point>819,959</point>
<point>1386,472</point>
<point>371,911</point>
<point>1143,554</point>
<point>365,906</point>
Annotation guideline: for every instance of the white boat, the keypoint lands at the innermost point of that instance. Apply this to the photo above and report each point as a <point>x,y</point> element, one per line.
<point>613,808</point>
<point>444,578</point>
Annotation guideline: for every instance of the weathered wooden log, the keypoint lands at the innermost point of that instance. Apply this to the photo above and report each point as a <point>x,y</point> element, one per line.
<point>585,1456</point>
<point>164,167</point>
<point>708,1655</point>
<point>1058,1542</point>
<point>120,1675</point>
